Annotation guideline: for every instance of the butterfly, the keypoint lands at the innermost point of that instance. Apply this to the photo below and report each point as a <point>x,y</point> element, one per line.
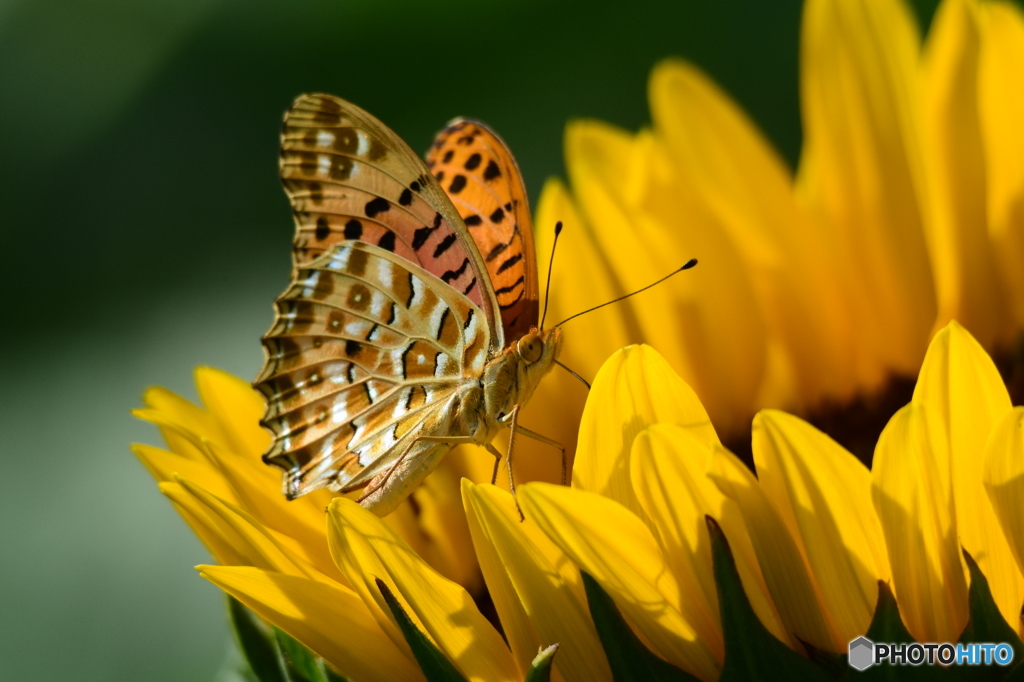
<point>410,324</point>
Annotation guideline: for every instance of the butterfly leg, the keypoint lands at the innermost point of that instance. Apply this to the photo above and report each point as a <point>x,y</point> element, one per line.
<point>512,419</point>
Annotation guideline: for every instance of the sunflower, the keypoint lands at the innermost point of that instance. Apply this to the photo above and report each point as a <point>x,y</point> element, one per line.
<point>818,290</point>
<point>817,539</point>
<point>815,289</point>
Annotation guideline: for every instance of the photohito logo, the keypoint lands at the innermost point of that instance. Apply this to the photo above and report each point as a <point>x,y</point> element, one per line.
<point>864,653</point>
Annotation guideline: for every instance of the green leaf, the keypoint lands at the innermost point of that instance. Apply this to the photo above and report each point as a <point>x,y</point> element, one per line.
<point>986,624</point>
<point>628,658</point>
<point>300,664</point>
<point>540,667</point>
<point>751,652</point>
<point>255,643</point>
<point>887,627</point>
<point>435,666</point>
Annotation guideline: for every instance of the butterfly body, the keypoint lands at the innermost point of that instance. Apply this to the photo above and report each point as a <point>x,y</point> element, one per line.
<point>410,325</point>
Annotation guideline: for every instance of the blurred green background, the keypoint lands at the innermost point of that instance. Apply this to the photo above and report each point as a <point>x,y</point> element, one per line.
<point>144,232</point>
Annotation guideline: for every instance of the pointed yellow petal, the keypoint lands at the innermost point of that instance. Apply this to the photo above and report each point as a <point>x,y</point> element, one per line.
<point>252,542</point>
<point>615,547</point>
<point>164,465</point>
<point>634,200</point>
<point>861,170</point>
<point>174,408</point>
<point>257,489</point>
<point>1004,479</point>
<point>528,587</point>
<point>783,564</point>
<point>365,549</point>
<point>748,188</point>
<point>966,279</point>
<point>674,502</point>
<point>965,395</point>
<point>634,389</point>
<point>1001,109</point>
<point>199,521</point>
<point>329,619</point>
<point>918,521</point>
<point>519,631</point>
<point>823,494</point>
<point>237,407</point>
<point>669,473</point>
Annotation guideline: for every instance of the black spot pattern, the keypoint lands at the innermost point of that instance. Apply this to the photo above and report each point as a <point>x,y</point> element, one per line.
<point>509,263</point>
<point>448,156</point>
<point>375,206</point>
<point>353,229</point>
<point>472,162</point>
<point>352,348</point>
<point>455,274</point>
<point>498,215</point>
<point>473,220</point>
<point>406,198</point>
<point>387,241</point>
<point>323,229</point>
<point>492,171</point>
<point>445,244</point>
<point>458,182</point>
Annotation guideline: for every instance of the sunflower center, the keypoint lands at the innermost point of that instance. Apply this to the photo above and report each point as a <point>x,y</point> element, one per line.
<point>857,424</point>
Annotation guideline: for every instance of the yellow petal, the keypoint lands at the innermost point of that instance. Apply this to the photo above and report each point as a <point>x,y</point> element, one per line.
<point>257,489</point>
<point>1004,480</point>
<point>668,470</point>
<point>615,547</point>
<point>823,495</point>
<point>198,520</point>
<point>965,395</point>
<point>784,567</point>
<point>237,407</point>
<point>861,171</point>
<point>634,389</point>
<point>329,619</point>
<point>966,279</point>
<point>252,542</point>
<point>175,409</point>
<point>582,278</point>
<point>919,525</point>
<point>748,189</point>
<point>634,200</point>
<point>1001,109</point>
<point>438,531</point>
<point>365,549</point>
<point>528,589</point>
<point>164,465</point>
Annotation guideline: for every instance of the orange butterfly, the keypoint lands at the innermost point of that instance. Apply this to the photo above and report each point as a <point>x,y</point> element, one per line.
<point>410,324</point>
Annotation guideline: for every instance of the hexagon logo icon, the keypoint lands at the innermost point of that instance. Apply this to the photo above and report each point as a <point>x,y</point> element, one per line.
<point>862,653</point>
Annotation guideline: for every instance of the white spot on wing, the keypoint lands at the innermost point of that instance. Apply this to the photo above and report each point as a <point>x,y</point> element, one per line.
<point>324,138</point>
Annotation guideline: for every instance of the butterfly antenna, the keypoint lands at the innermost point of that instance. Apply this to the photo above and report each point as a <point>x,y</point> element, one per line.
<point>585,383</point>
<point>547,287</point>
<point>686,266</point>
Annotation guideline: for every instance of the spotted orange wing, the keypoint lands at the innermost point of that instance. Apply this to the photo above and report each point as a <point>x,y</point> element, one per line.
<point>349,177</point>
<point>476,169</point>
<point>368,352</point>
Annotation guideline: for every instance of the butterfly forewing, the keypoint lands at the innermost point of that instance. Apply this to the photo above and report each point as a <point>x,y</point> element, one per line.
<point>366,351</point>
<point>474,166</point>
<point>349,177</point>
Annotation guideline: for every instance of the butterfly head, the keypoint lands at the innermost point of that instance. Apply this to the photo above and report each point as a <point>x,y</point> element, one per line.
<point>537,352</point>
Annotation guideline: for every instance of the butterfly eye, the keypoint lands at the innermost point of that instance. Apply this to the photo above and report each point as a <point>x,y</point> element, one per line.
<point>530,348</point>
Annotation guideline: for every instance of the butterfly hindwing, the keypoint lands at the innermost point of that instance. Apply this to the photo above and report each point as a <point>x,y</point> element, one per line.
<point>349,177</point>
<point>474,166</point>
<point>365,354</point>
